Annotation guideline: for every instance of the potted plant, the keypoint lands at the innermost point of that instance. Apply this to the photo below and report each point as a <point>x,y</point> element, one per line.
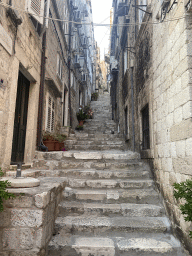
<point>54,142</point>
<point>94,96</point>
<point>81,116</point>
<point>88,111</point>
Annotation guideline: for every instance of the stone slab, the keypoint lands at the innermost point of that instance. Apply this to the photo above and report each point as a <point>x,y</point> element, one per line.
<point>22,182</point>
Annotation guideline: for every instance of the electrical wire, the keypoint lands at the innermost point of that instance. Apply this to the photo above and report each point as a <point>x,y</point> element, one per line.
<point>94,24</point>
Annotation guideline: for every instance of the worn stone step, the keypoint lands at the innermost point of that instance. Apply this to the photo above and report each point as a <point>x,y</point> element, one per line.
<point>88,155</point>
<point>94,139</point>
<point>95,147</point>
<point>140,173</point>
<point>108,183</point>
<point>83,164</point>
<point>133,244</point>
<point>82,134</point>
<point>137,196</point>
<point>99,209</point>
<point>93,142</point>
<point>99,225</point>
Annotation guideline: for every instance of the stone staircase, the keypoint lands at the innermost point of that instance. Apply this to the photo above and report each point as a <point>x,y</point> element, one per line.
<point>110,206</point>
<point>99,133</point>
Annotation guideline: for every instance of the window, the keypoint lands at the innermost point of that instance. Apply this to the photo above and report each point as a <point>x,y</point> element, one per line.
<point>50,114</point>
<point>59,67</point>
<point>145,128</point>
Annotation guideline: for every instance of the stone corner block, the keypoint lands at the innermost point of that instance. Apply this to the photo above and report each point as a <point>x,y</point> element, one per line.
<point>42,200</point>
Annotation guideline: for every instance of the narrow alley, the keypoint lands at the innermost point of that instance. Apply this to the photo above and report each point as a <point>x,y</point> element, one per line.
<point>110,205</point>
<point>95,127</point>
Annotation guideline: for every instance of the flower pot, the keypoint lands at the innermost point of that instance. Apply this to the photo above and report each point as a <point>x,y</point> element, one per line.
<point>49,144</point>
<point>57,146</point>
<point>81,123</point>
<point>54,145</point>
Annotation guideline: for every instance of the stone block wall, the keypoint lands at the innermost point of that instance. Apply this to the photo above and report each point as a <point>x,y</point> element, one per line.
<point>27,222</point>
<point>172,107</point>
<point>27,59</point>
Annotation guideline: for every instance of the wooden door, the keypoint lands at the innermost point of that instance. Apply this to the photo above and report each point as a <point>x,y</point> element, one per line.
<point>18,144</point>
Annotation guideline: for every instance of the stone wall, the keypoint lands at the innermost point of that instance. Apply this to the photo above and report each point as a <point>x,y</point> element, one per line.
<point>27,222</point>
<point>26,58</point>
<point>172,107</point>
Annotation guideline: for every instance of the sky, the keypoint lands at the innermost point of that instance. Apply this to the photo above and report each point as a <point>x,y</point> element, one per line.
<point>101,14</point>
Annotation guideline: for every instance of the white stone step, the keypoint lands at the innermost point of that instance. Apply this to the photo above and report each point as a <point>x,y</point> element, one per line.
<point>99,225</point>
<point>131,245</point>
<point>88,155</point>
<point>140,173</point>
<point>137,196</point>
<point>100,209</point>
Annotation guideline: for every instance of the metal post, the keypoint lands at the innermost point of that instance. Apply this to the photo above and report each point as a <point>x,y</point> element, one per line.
<point>19,166</point>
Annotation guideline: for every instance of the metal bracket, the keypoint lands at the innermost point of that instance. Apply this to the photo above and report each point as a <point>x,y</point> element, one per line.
<point>138,7</point>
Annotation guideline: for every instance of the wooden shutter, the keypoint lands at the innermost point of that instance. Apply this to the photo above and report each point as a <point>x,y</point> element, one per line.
<point>50,114</point>
<point>36,9</point>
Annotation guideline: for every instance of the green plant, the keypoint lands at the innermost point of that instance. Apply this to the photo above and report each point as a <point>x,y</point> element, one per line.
<point>4,194</point>
<point>81,115</point>
<point>88,111</point>
<point>94,96</point>
<point>48,136</point>
<point>183,190</point>
<point>60,137</point>
<point>54,136</point>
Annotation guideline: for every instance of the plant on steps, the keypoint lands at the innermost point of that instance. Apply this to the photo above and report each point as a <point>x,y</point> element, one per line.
<point>4,194</point>
<point>183,190</point>
<point>94,96</point>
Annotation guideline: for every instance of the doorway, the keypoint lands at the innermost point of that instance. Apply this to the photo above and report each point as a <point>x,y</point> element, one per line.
<point>20,122</point>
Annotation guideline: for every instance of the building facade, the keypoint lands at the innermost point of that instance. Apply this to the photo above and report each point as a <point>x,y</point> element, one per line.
<point>151,91</point>
<point>20,47</point>
<point>47,71</point>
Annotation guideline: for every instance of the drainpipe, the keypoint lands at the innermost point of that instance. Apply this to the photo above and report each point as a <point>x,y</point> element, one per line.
<point>41,96</point>
<point>132,101</point>
<point>69,60</point>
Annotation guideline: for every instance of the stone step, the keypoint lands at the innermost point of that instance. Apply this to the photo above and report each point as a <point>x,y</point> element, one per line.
<point>109,184</point>
<point>80,135</point>
<point>137,196</point>
<point>94,147</point>
<point>94,139</point>
<point>100,225</point>
<point>133,244</point>
<point>118,155</point>
<point>94,142</point>
<point>99,209</point>
<point>141,173</point>
<point>82,164</point>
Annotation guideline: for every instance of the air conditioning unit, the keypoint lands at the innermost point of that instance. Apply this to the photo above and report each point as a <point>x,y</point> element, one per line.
<point>74,29</point>
<point>76,61</point>
<point>14,15</point>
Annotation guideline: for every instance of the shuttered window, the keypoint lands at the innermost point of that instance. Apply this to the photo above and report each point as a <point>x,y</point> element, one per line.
<point>50,114</point>
<point>36,9</point>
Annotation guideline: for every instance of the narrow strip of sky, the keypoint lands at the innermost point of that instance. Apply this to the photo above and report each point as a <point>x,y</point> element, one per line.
<point>101,13</point>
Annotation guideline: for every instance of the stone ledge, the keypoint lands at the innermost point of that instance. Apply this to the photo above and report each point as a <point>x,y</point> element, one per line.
<point>28,220</point>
